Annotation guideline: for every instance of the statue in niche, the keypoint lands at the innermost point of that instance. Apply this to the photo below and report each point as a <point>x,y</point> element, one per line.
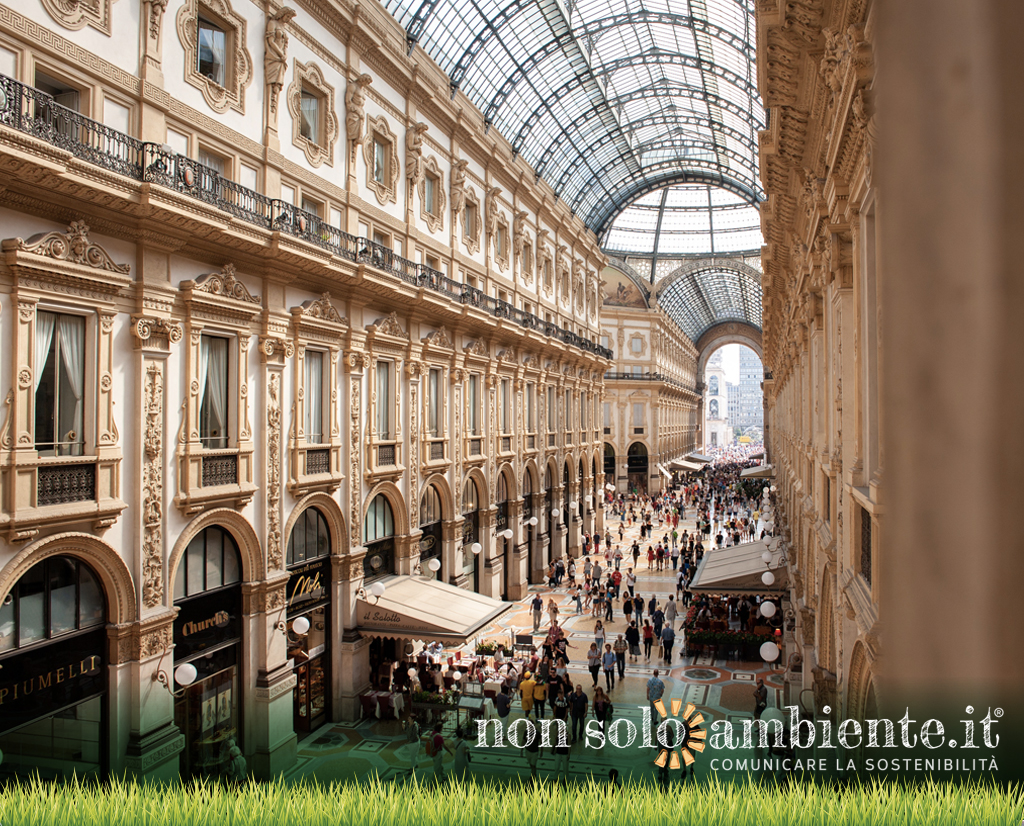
<point>355,100</point>
<point>275,59</point>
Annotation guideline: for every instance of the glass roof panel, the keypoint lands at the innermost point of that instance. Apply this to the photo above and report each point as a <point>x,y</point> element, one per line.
<point>607,98</point>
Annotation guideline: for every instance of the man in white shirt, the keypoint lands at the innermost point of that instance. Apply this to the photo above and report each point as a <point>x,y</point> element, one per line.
<point>631,581</point>
<point>671,612</point>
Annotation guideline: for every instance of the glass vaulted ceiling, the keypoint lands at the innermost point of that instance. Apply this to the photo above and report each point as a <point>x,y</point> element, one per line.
<point>606,99</point>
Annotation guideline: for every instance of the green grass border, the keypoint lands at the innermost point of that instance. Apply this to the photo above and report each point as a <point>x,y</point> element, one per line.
<point>711,803</point>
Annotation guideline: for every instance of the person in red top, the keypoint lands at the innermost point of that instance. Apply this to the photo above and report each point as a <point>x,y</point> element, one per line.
<point>616,581</point>
<point>648,639</point>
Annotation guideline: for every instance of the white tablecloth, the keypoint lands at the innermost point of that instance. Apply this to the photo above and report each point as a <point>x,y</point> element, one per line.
<point>399,700</point>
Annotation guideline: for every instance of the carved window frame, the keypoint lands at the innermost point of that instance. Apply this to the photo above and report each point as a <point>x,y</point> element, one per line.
<point>643,346</point>
<point>308,77</point>
<point>438,350</point>
<point>526,262</point>
<point>316,325</point>
<point>217,304</point>
<point>49,275</point>
<point>471,234</point>
<point>504,257</point>
<point>434,220</point>
<point>377,130</point>
<point>239,61</point>
<point>386,341</point>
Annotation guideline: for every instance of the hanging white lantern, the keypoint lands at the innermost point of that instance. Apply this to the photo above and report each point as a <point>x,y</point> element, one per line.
<point>507,533</point>
<point>185,674</point>
<point>769,652</point>
<point>456,675</point>
<point>768,578</point>
<point>300,626</point>
<point>768,609</point>
<point>532,521</point>
<point>476,547</point>
<point>378,589</point>
<point>434,565</point>
<point>766,557</point>
<point>412,673</point>
<point>554,511</point>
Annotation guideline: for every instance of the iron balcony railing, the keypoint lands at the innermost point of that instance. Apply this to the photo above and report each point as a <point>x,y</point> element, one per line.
<point>611,375</point>
<point>36,113</point>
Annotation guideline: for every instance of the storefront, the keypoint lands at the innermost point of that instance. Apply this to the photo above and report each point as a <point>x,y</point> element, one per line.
<point>379,540</point>
<point>53,674</point>
<point>500,527</point>
<point>430,527</point>
<point>309,581</point>
<point>207,634</point>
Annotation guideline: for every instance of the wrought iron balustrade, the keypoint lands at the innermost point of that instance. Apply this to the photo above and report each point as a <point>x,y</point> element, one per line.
<point>62,484</point>
<point>34,112</point>
<point>318,461</point>
<point>220,470</point>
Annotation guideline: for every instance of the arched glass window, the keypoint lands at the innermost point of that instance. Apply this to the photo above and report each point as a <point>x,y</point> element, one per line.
<point>310,537</point>
<point>430,506</point>
<point>380,523</point>
<point>713,409</point>
<point>713,385</point>
<point>58,596</point>
<point>609,462</point>
<point>470,499</point>
<point>210,561</point>
<point>502,488</point>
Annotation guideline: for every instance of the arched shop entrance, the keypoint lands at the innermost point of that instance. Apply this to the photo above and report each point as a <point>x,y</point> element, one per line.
<point>207,634</point>
<point>471,533</point>
<point>566,520</point>
<point>636,467</point>
<point>500,526</point>
<point>430,527</point>
<point>53,673</point>
<point>378,539</point>
<point>309,598</point>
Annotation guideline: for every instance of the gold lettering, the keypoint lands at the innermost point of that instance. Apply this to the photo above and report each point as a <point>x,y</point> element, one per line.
<point>3,693</point>
<point>45,680</point>
<point>71,671</point>
<point>60,675</point>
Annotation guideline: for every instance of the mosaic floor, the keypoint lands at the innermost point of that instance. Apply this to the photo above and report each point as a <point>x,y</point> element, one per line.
<point>720,689</point>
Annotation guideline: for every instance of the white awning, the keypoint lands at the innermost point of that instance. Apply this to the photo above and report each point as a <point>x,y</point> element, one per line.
<point>697,457</point>
<point>757,456</point>
<point>665,471</point>
<point>682,464</point>
<point>760,472</point>
<point>738,570</point>
<point>416,608</point>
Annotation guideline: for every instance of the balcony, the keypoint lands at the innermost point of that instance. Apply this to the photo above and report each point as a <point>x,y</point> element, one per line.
<point>36,113</point>
<point>617,376</point>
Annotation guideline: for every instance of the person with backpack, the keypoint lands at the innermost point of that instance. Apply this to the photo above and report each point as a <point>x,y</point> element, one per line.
<point>412,736</point>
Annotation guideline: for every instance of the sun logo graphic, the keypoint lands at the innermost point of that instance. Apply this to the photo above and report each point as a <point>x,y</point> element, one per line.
<point>678,747</point>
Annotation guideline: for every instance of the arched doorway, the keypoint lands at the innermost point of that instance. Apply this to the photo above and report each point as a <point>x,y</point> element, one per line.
<point>379,539</point>
<point>636,467</point>
<point>500,525</point>
<point>609,463</point>
<point>550,516</point>
<point>208,635</point>
<point>53,684</point>
<point>471,533</point>
<point>566,516</point>
<point>430,527</point>
<point>309,597</point>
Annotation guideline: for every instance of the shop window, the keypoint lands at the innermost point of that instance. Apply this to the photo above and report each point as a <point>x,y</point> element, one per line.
<point>378,537</point>
<point>58,596</point>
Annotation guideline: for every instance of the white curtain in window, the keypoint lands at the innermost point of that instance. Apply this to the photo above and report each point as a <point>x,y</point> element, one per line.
<point>383,401</point>
<point>71,330</point>
<point>217,44</point>
<point>314,397</point>
<point>218,371</point>
<point>310,117</point>
<point>204,368</point>
<point>44,337</point>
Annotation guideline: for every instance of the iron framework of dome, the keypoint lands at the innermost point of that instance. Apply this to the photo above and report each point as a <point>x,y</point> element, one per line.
<point>606,99</point>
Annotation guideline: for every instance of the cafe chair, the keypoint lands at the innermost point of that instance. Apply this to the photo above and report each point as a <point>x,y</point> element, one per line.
<point>369,705</point>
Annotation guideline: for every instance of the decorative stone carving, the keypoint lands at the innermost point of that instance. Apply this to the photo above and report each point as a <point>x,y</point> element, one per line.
<point>72,246</point>
<point>238,72</point>
<point>459,187</point>
<point>476,348</point>
<point>414,153</point>
<point>439,338</point>
<point>508,355</point>
<point>386,190</point>
<point>355,101</point>
<point>274,555</point>
<point>155,331</point>
<point>153,488</point>
<point>77,14</point>
<point>389,325</point>
<point>322,308</point>
<point>226,284</point>
<point>434,220</point>
<point>275,56</point>
<point>155,16</point>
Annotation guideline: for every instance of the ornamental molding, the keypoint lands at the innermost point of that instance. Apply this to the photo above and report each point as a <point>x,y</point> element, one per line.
<point>321,151</point>
<point>386,190</point>
<point>221,297</point>
<point>77,14</point>
<point>389,325</point>
<point>430,167</point>
<point>224,283</point>
<point>476,348</point>
<point>238,72</point>
<point>72,246</point>
<point>439,339</point>
<point>150,331</point>
<point>153,488</point>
